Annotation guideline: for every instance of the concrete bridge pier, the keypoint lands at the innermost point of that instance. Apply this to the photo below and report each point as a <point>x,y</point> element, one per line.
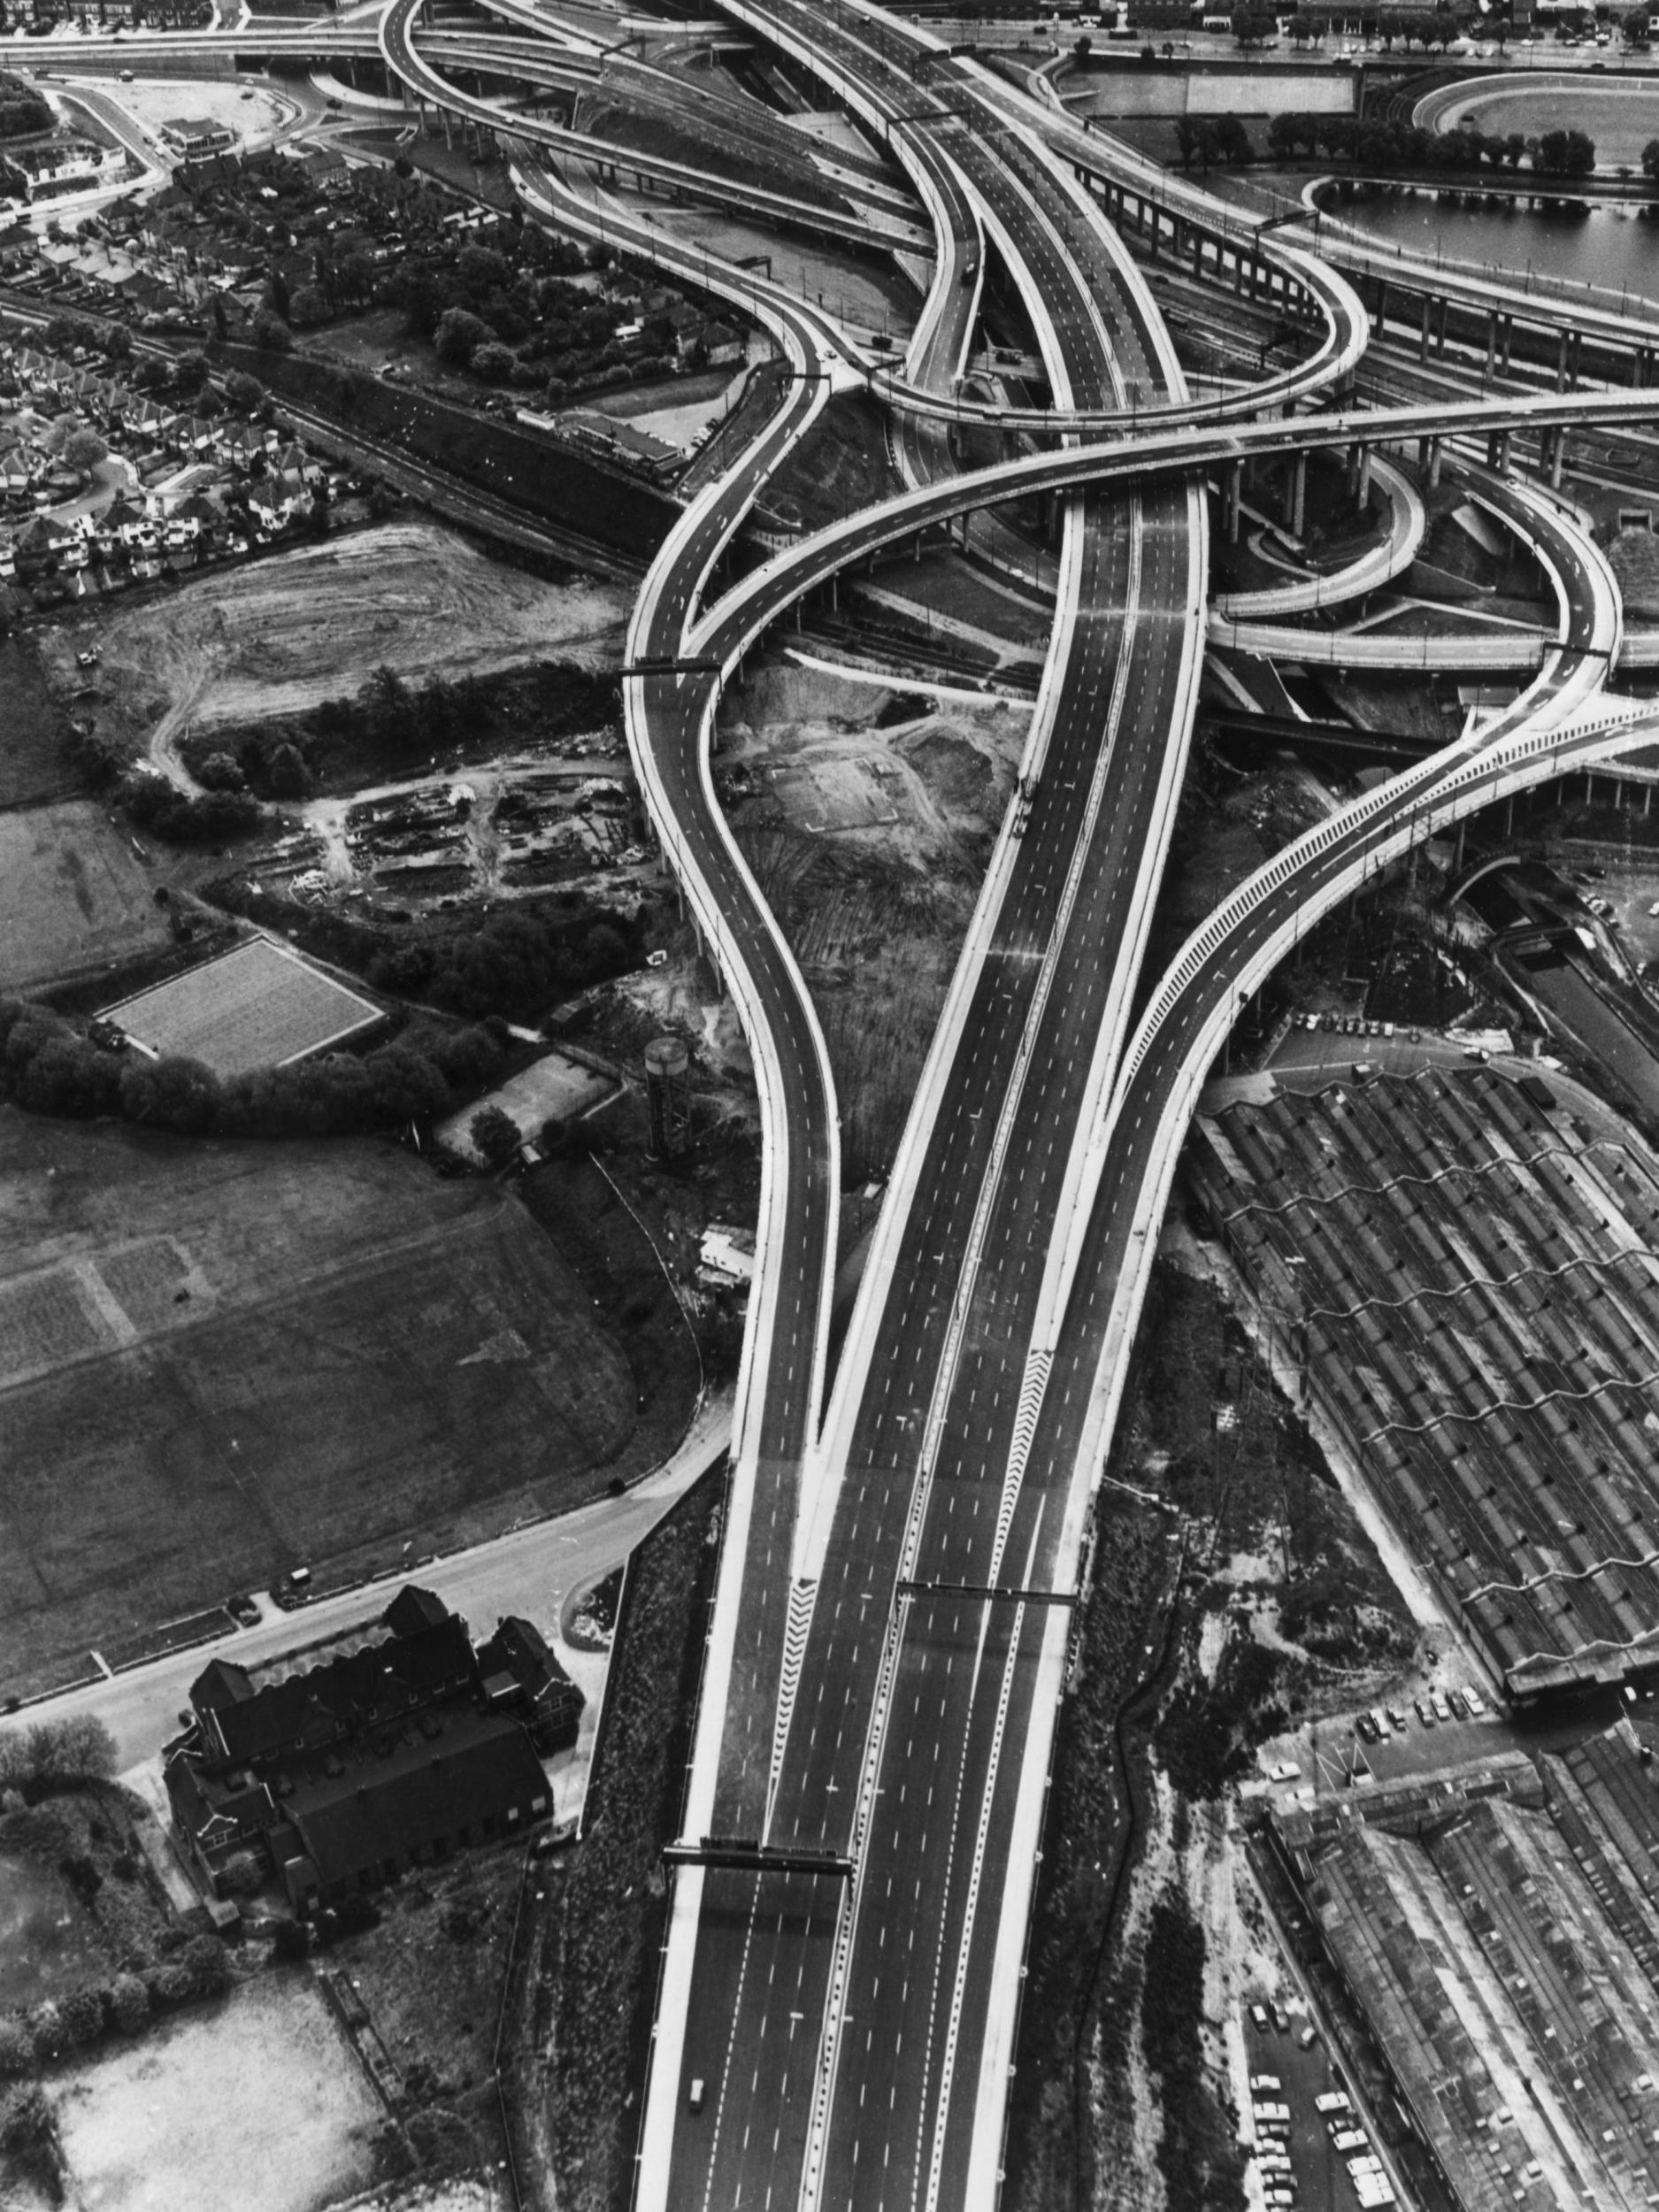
<point>1232,499</point>
<point>1296,495</point>
<point>1560,360</point>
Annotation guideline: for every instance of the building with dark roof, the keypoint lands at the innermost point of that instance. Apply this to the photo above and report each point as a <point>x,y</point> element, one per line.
<point>395,1755</point>
<point>519,1668</point>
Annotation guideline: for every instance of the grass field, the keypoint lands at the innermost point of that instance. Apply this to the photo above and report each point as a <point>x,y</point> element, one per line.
<point>218,1360</point>
<point>73,895</point>
<point>182,2119</point>
<point>34,764</point>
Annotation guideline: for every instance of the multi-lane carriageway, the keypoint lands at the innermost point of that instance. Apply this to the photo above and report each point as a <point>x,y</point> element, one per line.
<point>854,2036</point>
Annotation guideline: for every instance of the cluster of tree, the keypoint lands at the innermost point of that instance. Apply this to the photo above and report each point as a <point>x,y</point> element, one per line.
<point>82,2017</point>
<point>1201,2160</point>
<point>1412,25</point>
<point>1206,139</point>
<point>28,2140</point>
<point>55,1755</point>
<point>502,321</point>
<point>178,818</point>
<point>1391,144</point>
<point>280,760</point>
<point>517,963</point>
<point>47,1066</point>
<point>65,333</point>
<point>22,109</point>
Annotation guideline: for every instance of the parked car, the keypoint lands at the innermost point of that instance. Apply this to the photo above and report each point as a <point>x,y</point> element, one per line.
<point>1476,1703</point>
<point>1443,1710</point>
<point>1425,1712</point>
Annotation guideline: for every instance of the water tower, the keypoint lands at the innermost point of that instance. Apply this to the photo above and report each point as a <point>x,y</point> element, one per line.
<point>668,1097</point>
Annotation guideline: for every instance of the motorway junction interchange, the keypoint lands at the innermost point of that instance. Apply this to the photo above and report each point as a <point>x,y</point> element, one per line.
<point>910,1522</point>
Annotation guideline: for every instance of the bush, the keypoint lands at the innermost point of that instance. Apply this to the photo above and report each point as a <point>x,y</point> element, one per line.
<point>16,2050</point>
<point>241,1875</point>
<point>493,361</point>
<point>129,2003</point>
<point>205,1962</point>
<point>290,1943</point>
<point>25,2118</point>
<point>82,2014</point>
<point>495,1135</point>
<point>443,2140</point>
<point>46,2032</point>
<point>352,1915</point>
<point>172,1985</point>
<point>220,771</point>
<point>38,1831</point>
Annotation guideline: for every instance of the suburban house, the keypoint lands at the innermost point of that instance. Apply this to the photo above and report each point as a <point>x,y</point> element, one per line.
<point>197,137</point>
<point>394,1754</point>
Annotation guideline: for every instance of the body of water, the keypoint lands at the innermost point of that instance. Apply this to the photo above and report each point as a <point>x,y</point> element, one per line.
<point>1614,248</point>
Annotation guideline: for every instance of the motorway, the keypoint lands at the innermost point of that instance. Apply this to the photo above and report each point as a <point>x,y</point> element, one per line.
<point>890,1626</point>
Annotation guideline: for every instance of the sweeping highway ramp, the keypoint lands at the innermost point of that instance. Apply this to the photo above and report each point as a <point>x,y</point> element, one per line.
<point>853,1885</point>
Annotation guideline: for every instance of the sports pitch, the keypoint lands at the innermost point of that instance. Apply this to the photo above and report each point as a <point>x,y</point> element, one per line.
<point>219,1361</point>
<point>258,1005</point>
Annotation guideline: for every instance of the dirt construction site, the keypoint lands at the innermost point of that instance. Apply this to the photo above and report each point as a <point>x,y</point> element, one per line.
<point>277,638</point>
<point>867,813</point>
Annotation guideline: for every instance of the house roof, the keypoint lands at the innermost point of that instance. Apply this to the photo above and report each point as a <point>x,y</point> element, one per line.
<point>363,1690</point>
<point>476,1767</point>
<point>414,1609</point>
<point>220,1683</point>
